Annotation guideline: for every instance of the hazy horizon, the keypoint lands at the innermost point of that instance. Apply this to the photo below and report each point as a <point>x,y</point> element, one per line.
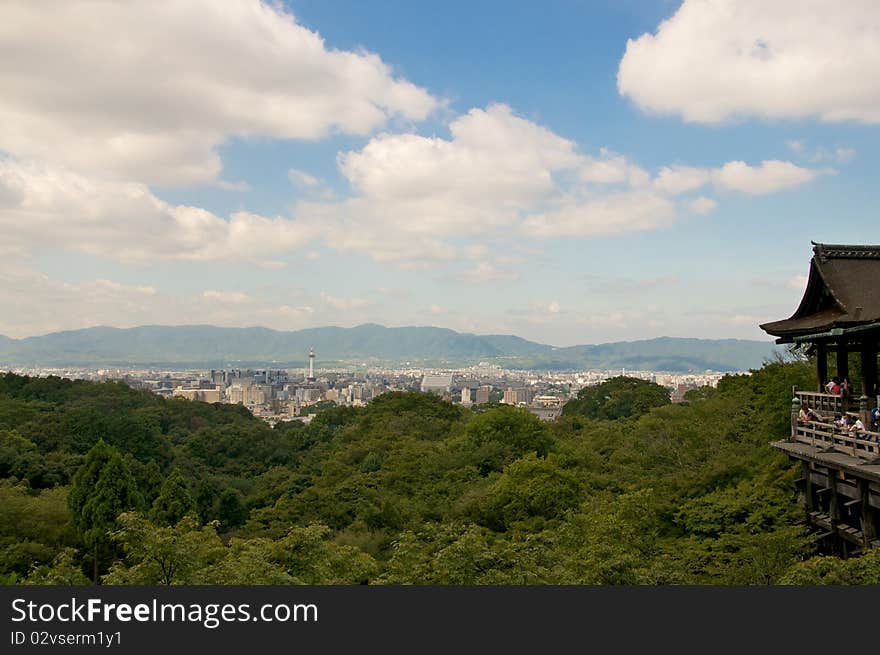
<point>768,340</point>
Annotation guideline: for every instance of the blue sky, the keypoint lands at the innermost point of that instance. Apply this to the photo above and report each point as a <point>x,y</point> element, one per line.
<point>570,172</point>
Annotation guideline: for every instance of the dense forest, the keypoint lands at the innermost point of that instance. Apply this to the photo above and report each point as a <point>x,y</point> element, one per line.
<point>103,483</point>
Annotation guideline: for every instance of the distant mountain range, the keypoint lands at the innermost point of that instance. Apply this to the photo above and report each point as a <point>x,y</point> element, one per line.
<point>206,345</point>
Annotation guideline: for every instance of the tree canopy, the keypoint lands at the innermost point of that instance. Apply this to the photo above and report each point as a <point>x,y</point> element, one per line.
<point>624,488</point>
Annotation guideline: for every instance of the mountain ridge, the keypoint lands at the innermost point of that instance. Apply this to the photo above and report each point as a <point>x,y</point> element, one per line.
<point>214,345</point>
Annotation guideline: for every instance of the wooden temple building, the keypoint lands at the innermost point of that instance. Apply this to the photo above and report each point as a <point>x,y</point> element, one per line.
<point>838,323</point>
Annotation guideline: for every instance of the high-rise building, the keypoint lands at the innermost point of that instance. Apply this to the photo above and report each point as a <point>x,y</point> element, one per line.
<point>483,394</point>
<point>516,396</point>
<point>465,396</point>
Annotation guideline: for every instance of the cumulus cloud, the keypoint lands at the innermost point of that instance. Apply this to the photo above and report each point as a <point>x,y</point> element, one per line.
<point>498,172</point>
<point>702,206</point>
<point>712,61</point>
<point>612,168</point>
<point>43,206</point>
<point>604,215</point>
<point>415,197</point>
<point>148,90</point>
<point>495,165</point>
<point>769,177</point>
<point>681,179</point>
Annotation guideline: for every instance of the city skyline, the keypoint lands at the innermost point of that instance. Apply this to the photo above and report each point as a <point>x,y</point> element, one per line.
<point>569,173</point>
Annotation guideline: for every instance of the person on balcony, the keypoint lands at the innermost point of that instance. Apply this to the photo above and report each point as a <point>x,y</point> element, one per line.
<point>833,387</point>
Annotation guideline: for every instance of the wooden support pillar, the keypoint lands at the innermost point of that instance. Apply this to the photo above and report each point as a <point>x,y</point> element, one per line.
<point>867,519</point>
<point>835,514</point>
<point>869,368</point>
<point>842,361</point>
<point>809,499</point>
<point>822,365</point>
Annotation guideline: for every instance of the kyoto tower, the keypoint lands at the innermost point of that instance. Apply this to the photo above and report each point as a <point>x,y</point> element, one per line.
<point>311,377</point>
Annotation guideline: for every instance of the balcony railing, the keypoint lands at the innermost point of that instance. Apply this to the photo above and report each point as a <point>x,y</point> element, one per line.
<point>862,444</point>
<point>823,402</point>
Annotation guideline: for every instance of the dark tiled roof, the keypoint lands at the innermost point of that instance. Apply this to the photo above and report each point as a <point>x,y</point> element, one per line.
<point>843,290</point>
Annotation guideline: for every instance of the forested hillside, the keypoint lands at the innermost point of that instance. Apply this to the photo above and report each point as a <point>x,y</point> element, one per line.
<point>102,482</point>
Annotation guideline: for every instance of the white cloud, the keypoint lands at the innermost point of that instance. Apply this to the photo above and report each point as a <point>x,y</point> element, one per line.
<point>302,179</point>
<point>702,206</point>
<point>43,304</point>
<point>604,215</point>
<point>769,177</point>
<point>680,179</point>
<point>148,90</point>
<point>110,285</point>
<point>42,206</point>
<point>612,168</point>
<point>497,173</point>
<point>495,165</point>
<point>344,304</point>
<point>296,313</point>
<point>484,272</point>
<point>226,297</point>
<point>233,186</point>
<point>840,155</point>
<point>712,61</point>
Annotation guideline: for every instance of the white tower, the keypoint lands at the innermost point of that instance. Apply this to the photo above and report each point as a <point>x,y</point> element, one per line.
<point>311,377</point>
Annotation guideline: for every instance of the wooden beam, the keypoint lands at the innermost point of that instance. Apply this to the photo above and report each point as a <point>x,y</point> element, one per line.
<point>822,365</point>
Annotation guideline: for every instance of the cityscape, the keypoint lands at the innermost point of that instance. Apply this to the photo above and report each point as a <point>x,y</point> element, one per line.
<point>296,394</point>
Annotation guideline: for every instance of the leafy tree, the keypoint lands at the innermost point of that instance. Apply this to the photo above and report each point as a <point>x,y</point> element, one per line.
<point>529,489</point>
<point>63,571</point>
<point>163,555</point>
<point>103,488</point>
<point>862,570</point>
<point>502,434</point>
<point>619,397</point>
<point>34,526</point>
<point>174,500</point>
<point>231,511</point>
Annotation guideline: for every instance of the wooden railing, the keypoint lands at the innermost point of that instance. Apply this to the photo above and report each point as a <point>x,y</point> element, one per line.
<point>823,402</point>
<point>861,443</point>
